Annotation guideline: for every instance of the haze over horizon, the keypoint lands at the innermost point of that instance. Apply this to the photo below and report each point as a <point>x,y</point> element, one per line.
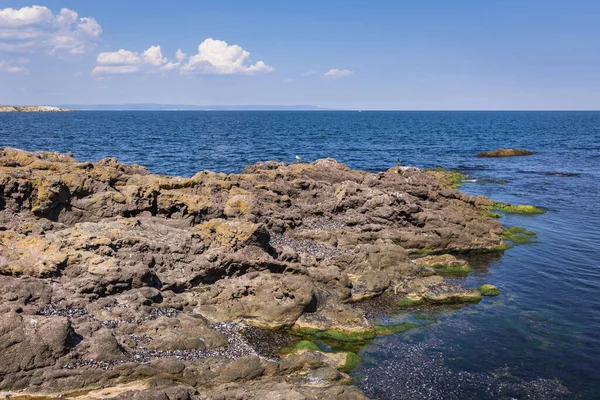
<point>379,55</point>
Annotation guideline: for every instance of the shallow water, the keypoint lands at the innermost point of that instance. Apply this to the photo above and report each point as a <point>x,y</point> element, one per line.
<point>538,338</point>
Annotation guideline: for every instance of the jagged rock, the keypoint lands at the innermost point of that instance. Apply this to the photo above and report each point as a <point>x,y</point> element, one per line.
<point>266,300</point>
<point>28,342</point>
<point>110,271</point>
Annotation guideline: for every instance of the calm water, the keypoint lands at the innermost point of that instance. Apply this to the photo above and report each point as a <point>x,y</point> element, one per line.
<point>540,334</point>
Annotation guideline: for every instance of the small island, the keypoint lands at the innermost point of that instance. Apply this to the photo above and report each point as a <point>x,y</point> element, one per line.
<point>505,153</point>
<point>33,109</point>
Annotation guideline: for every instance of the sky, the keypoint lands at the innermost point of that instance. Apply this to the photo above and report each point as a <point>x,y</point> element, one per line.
<point>342,54</point>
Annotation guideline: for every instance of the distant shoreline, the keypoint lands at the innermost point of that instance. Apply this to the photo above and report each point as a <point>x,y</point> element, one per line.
<point>34,109</point>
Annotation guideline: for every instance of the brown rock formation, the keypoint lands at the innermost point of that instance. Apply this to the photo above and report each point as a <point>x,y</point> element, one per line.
<point>505,153</point>
<point>117,277</point>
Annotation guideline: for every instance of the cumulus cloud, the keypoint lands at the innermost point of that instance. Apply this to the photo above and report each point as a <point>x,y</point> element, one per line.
<point>37,28</point>
<point>122,57</point>
<point>337,73</point>
<point>153,56</point>
<point>218,57</point>
<point>129,62</point>
<point>213,57</point>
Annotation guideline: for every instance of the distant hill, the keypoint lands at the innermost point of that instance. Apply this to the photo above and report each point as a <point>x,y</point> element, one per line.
<point>182,107</point>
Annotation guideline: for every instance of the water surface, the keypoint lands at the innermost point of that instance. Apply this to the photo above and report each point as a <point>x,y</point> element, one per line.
<point>538,338</point>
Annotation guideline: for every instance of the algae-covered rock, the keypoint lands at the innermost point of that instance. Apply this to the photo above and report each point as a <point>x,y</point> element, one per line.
<point>445,263</point>
<point>519,235</point>
<point>505,153</point>
<point>489,290</point>
<point>449,178</point>
<point>517,209</point>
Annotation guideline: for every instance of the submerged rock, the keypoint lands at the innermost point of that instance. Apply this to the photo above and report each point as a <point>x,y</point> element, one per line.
<point>489,290</point>
<point>115,275</point>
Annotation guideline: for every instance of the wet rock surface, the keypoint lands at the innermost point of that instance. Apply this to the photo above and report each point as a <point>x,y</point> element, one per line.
<point>114,276</point>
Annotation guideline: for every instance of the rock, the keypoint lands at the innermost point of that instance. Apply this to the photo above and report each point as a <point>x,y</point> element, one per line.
<point>505,153</point>
<point>265,300</point>
<point>29,342</point>
<point>30,255</point>
<point>181,333</point>
<point>445,263</point>
<point>144,284</point>
<point>489,290</point>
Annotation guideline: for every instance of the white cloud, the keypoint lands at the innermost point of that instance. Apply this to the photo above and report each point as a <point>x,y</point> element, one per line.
<point>153,56</point>
<point>337,73</point>
<point>37,28</point>
<point>180,55</point>
<point>34,15</point>
<point>12,67</point>
<point>123,57</point>
<point>308,73</point>
<point>217,57</point>
<point>214,57</point>
<point>115,69</point>
<point>287,80</point>
<point>129,62</point>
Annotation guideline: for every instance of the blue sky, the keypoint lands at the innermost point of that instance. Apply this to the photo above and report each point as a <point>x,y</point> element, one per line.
<point>460,54</point>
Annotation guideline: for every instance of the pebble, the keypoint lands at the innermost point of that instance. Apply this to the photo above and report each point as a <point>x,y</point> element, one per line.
<point>306,246</point>
<point>238,346</point>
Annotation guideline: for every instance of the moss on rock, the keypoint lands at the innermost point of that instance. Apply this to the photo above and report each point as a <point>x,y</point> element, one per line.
<point>486,213</point>
<point>352,361</point>
<point>449,178</point>
<point>517,209</point>
<point>489,290</point>
<point>302,345</point>
<point>519,235</point>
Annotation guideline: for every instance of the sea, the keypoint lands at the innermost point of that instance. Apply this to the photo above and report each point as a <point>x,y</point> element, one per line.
<point>540,339</point>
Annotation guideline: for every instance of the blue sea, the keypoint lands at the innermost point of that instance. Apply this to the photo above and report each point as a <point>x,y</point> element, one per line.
<point>538,339</point>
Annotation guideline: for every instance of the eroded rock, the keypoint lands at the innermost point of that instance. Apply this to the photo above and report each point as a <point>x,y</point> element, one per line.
<point>115,275</point>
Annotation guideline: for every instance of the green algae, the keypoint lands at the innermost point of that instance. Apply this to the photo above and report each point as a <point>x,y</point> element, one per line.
<point>455,269</point>
<point>352,361</point>
<point>405,302</point>
<point>519,235</point>
<point>302,345</point>
<point>340,340</point>
<point>517,209</point>
<point>472,298</point>
<point>486,213</point>
<point>381,330</point>
<point>489,290</point>
<point>449,178</point>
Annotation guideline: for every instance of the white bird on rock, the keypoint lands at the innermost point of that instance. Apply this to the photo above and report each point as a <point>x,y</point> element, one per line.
<point>298,159</point>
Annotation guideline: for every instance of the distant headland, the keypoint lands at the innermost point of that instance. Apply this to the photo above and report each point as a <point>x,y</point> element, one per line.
<point>34,109</point>
<point>185,107</point>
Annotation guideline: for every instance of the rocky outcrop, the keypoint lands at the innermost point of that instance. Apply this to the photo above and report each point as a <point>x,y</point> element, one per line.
<point>33,109</point>
<point>119,278</point>
<point>505,153</point>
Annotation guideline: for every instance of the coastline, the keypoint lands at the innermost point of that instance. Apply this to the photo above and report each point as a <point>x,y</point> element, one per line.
<point>5,109</point>
<point>128,269</point>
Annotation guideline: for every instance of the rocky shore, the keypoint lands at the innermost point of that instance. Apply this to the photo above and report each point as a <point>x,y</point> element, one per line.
<point>119,283</point>
<point>33,109</point>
